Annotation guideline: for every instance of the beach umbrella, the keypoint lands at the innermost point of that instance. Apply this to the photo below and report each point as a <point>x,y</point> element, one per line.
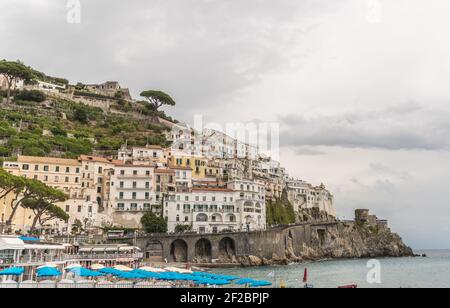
<point>72,266</point>
<point>97,267</point>
<point>48,265</point>
<point>48,272</point>
<point>257,284</point>
<point>131,275</point>
<point>245,281</point>
<point>152,269</point>
<point>13,271</point>
<point>84,272</point>
<point>111,271</point>
<point>123,268</point>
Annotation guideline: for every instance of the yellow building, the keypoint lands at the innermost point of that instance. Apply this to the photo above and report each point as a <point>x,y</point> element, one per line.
<point>199,165</point>
<point>61,174</point>
<point>23,218</point>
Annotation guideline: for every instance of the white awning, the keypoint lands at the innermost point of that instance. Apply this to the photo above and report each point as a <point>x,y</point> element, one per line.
<point>11,243</point>
<point>43,247</point>
<point>126,248</point>
<point>98,249</point>
<point>85,249</point>
<point>111,248</point>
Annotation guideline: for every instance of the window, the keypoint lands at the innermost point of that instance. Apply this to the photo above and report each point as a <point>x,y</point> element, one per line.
<point>99,190</point>
<point>67,208</point>
<point>100,170</point>
<point>79,209</point>
<point>178,207</point>
<point>147,185</point>
<point>121,185</point>
<point>57,168</point>
<point>147,207</point>
<point>77,180</point>
<point>134,184</point>
<point>178,218</point>
<point>121,195</point>
<point>147,196</point>
<point>66,179</point>
<point>35,177</point>
<point>147,173</point>
<point>120,206</point>
<point>122,172</point>
<point>56,178</point>
<point>134,207</point>
<point>135,172</point>
<point>78,170</point>
<point>46,178</point>
<point>67,169</point>
<point>36,167</point>
<point>25,167</point>
<point>134,196</point>
<point>90,209</point>
<point>45,168</point>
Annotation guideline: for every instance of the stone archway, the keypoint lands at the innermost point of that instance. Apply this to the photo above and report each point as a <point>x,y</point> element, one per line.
<point>154,251</point>
<point>227,250</point>
<point>203,251</point>
<point>179,251</point>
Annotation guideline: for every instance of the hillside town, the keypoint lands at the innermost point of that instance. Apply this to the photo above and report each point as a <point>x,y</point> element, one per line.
<point>204,182</point>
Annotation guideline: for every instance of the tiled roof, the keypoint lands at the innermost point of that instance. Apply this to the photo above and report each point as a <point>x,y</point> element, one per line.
<point>99,159</point>
<point>47,160</point>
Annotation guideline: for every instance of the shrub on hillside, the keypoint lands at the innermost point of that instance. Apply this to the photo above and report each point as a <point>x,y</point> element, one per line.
<point>32,96</point>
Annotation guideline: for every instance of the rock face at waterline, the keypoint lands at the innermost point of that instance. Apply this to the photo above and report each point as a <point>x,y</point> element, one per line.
<point>366,237</point>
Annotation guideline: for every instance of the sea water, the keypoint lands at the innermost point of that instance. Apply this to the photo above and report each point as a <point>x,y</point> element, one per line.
<point>419,272</point>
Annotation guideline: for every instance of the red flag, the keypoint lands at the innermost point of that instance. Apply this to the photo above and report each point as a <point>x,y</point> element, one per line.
<point>305,276</point>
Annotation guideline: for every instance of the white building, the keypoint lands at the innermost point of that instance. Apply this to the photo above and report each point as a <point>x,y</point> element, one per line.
<point>207,210</point>
<point>305,196</point>
<point>250,200</point>
<point>132,193</point>
<point>50,87</point>
<point>150,153</point>
<point>239,207</point>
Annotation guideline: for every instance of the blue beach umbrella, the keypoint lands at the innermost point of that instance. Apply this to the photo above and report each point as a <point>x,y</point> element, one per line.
<point>257,284</point>
<point>13,271</point>
<point>48,272</point>
<point>111,271</point>
<point>245,281</point>
<point>84,272</point>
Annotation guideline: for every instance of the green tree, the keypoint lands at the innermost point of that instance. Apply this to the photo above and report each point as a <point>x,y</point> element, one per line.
<point>13,72</point>
<point>32,189</point>
<point>32,96</point>
<point>157,99</point>
<point>43,205</point>
<point>153,224</point>
<point>77,227</point>
<point>80,115</point>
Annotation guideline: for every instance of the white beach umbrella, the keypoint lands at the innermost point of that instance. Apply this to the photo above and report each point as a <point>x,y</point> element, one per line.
<point>97,267</point>
<point>178,270</point>
<point>123,268</point>
<point>72,266</point>
<point>48,265</point>
<point>152,269</point>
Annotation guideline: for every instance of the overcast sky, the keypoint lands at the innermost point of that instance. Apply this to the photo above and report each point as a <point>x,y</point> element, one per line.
<point>361,88</point>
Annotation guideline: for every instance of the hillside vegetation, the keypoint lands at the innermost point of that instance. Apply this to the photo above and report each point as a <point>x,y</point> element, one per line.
<point>52,126</point>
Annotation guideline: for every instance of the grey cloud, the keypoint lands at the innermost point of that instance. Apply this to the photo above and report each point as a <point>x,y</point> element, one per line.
<point>408,126</point>
<point>203,52</point>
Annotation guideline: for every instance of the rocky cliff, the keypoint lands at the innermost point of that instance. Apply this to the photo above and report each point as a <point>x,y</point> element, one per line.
<point>366,237</point>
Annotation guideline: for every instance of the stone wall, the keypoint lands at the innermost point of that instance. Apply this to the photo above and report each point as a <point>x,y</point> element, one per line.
<point>296,243</point>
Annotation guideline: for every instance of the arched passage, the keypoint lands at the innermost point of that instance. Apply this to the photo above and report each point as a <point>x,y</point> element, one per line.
<point>154,251</point>
<point>227,249</point>
<point>179,251</point>
<point>203,251</point>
